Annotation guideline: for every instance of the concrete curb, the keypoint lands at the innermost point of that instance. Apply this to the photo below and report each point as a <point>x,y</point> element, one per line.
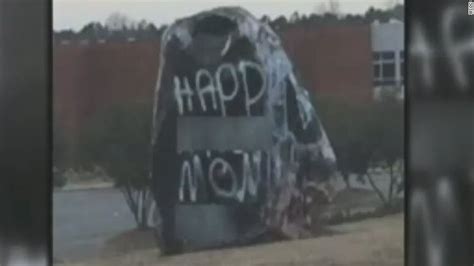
<point>69,188</point>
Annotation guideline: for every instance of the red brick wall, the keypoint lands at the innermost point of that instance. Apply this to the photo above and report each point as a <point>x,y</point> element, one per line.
<point>87,78</point>
<point>333,60</point>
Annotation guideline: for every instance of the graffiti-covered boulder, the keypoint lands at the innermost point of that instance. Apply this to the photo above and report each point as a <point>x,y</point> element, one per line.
<point>236,139</point>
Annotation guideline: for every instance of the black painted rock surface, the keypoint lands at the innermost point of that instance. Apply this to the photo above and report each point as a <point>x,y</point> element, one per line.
<point>233,130</point>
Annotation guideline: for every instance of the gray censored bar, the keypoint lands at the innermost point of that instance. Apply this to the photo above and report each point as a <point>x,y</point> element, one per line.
<point>199,133</point>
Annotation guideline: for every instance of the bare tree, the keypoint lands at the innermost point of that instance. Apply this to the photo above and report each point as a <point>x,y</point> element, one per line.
<point>295,17</point>
<point>117,139</point>
<point>321,8</point>
<point>389,4</point>
<point>142,24</point>
<point>334,7</point>
<point>118,21</point>
<point>266,19</point>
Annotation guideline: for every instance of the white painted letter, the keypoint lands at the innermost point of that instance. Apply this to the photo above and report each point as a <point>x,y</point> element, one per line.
<point>179,93</point>
<point>209,89</point>
<point>456,51</point>
<point>226,97</point>
<point>243,66</point>
<point>420,48</point>
<point>225,168</point>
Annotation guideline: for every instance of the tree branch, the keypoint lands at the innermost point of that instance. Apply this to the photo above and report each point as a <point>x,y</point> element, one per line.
<point>376,189</point>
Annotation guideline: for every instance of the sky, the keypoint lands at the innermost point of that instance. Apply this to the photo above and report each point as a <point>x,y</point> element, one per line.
<point>74,14</point>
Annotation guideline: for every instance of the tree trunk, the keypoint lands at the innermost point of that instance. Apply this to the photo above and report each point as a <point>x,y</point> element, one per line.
<point>128,195</point>
<point>345,177</point>
<point>145,206</point>
<point>391,184</point>
<point>376,189</point>
<point>139,202</point>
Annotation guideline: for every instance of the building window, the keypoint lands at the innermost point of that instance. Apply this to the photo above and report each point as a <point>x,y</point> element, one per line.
<point>384,68</point>
<point>402,65</point>
<point>377,70</point>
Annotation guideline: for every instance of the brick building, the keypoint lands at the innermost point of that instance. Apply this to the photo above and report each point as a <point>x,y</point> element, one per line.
<point>91,77</point>
<point>88,77</point>
<point>388,48</point>
<point>331,60</point>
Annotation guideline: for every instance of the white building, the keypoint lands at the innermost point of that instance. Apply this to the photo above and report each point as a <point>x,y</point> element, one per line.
<point>388,47</point>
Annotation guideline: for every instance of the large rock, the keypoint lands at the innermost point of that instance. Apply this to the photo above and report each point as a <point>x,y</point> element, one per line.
<point>232,127</point>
